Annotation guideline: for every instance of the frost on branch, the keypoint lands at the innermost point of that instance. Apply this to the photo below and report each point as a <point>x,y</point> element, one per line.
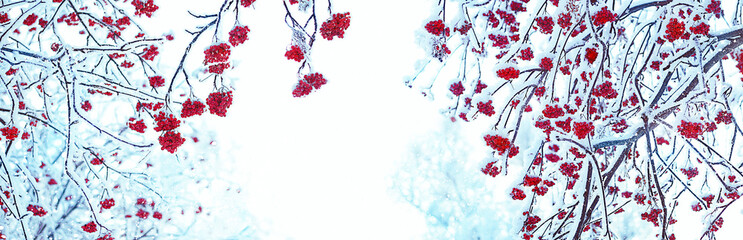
<point>98,126</point>
<point>304,25</point>
<point>621,112</point>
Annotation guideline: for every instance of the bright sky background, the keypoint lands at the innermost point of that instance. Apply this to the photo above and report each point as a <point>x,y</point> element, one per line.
<point>320,167</point>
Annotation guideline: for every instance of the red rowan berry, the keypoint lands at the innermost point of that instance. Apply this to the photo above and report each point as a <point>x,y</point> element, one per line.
<point>582,129</point>
<point>166,122</point>
<point>96,161</point>
<point>294,53</point>
<point>143,214</point>
<point>9,132</point>
<point>217,53</point>
<point>545,64</point>
<point>591,55</point>
<point>36,210</point>
<point>436,27</point>
<point>491,170</point>
<point>90,227</point>
<point>498,143</point>
<point>457,88</point>
<point>315,79</point>
<point>86,106</point>
<point>517,194</point>
<point>336,26</point>
<point>108,203</point>
<point>674,30</point>
<point>302,89</point>
<point>239,35</point>
<point>526,54</point>
<point>30,19</point>
<point>150,53</point>
<point>192,108</point>
<point>486,108</point>
<point>509,73</point>
<point>218,103</point>
<point>545,24</point>
<point>603,16</point>
<point>690,129</point>
<point>170,141</point>
<point>138,126</point>
<point>157,81</point>
<point>146,8</point>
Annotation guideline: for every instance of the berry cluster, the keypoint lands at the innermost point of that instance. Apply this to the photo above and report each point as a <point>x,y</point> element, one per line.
<point>545,24</point>
<point>96,161</point>
<point>90,227</point>
<point>570,169</point>
<point>216,57</point>
<point>86,105</point>
<point>724,117</point>
<point>526,54</point>
<point>553,111</point>
<point>564,20</point>
<point>457,88</point>
<point>491,170</point>
<point>437,28</point>
<point>701,29</point>
<point>108,203</point>
<point>10,133</point>
<point>30,19</point>
<point>157,81</point>
<point>690,129</point>
<point>652,216</point>
<point>582,129</point>
<point>690,172</point>
<point>192,108</point>
<point>605,90</point>
<point>675,30</point>
<point>239,35</point>
<point>517,194</point>
<point>170,141</point>
<point>218,103</point>
<point>146,8</point>
<point>545,64</point>
<point>305,86</point>
<point>36,210</point>
<point>294,53</point>
<point>501,145</point>
<point>138,126</point>
<point>150,53</point>
<point>336,26</point>
<point>603,16</point>
<point>591,55</point>
<point>714,7</point>
<point>486,108</point>
<point>166,122</point>
<point>508,74</point>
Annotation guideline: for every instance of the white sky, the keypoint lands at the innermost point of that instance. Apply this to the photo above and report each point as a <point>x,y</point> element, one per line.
<point>318,167</point>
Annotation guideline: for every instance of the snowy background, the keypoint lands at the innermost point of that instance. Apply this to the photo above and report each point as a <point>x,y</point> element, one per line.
<point>364,157</point>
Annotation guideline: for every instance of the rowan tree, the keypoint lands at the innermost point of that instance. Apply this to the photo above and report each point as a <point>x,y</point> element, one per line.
<point>607,110</point>
<point>97,125</point>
